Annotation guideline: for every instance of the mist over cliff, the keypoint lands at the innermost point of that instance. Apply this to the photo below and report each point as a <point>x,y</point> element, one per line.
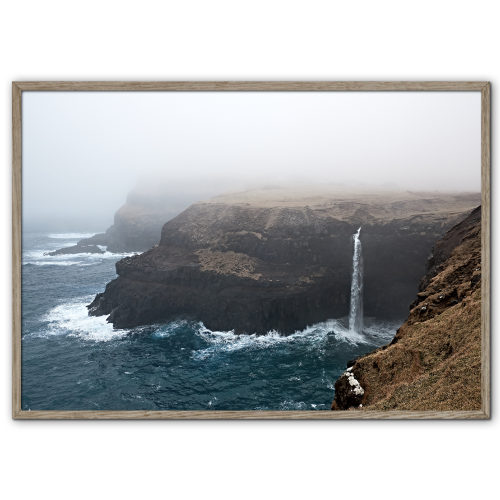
<point>84,151</point>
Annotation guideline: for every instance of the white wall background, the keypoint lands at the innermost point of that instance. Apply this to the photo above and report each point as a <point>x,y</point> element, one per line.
<point>227,35</point>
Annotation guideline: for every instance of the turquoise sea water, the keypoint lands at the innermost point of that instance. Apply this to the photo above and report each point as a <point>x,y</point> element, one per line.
<point>71,361</point>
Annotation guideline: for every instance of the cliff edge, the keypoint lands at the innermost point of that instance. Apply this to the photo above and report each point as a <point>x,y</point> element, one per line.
<point>149,205</point>
<point>434,361</point>
<point>280,259</point>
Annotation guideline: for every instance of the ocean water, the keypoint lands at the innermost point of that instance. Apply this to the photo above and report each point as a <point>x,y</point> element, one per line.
<point>71,361</point>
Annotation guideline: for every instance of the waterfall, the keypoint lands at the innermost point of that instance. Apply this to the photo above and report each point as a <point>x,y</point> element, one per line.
<point>356,312</point>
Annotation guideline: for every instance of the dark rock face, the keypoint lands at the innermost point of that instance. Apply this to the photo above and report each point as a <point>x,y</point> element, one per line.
<point>434,361</point>
<point>135,229</point>
<point>251,296</point>
<point>445,246</point>
<point>272,266</point>
<point>76,249</point>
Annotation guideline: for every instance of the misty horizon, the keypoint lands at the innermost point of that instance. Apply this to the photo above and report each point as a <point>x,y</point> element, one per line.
<point>84,152</point>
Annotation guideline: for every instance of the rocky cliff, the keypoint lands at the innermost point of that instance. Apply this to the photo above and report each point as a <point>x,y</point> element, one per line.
<point>136,228</point>
<point>280,259</point>
<point>153,201</point>
<point>434,362</point>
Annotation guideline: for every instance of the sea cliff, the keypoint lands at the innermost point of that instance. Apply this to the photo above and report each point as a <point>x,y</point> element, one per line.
<point>149,205</point>
<point>280,259</point>
<point>434,361</point>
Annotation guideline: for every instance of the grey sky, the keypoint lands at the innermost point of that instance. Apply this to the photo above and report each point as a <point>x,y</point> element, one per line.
<point>83,151</point>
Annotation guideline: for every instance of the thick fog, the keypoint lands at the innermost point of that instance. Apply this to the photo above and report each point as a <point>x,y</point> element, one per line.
<point>84,151</point>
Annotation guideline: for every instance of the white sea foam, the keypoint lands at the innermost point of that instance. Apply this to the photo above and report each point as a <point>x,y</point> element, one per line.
<point>379,331</point>
<point>293,405</point>
<point>55,263</point>
<point>319,406</point>
<point>314,335</point>
<point>72,319</point>
<point>37,258</point>
<point>70,236</point>
<point>169,329</point>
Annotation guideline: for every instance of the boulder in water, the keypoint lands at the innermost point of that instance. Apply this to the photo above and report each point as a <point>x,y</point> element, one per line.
<point>75,249</point>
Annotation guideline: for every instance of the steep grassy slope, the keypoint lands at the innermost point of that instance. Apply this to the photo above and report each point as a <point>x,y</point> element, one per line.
<point>434,362</point>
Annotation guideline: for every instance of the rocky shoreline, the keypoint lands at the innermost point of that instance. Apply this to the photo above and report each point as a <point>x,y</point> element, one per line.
<point>149,205</point>
<point>264,260</point>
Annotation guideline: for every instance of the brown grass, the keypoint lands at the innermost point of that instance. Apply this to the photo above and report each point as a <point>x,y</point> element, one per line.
<point>436,366</point>
<point>228,263</point>
<point>343,203</point>
<point>434,362</point>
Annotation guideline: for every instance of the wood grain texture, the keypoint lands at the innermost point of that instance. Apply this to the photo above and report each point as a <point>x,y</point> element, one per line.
<point>16,249</point>
<point>485,250</point>
<point>251,415</point>
<point>252,86</point>
<point>18,87</point>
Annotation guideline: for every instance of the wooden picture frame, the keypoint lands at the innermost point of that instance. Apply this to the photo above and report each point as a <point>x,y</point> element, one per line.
<point>19,87</point>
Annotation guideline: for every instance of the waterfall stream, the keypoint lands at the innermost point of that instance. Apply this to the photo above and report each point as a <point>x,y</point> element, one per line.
<point>356,311</point>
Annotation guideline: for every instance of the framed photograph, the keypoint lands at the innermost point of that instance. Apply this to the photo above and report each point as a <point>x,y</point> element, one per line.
<point>251,250</point>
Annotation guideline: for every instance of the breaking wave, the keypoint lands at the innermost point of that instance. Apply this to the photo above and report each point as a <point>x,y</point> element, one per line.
<point>72,319</point>
<point>54,241</point>
<point>311,337</point>
<point>70,236</point>
<point>37,258</point>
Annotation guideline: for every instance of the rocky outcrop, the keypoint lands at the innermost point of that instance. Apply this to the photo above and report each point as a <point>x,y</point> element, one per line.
<point>153,201</point>
<point>280,259</point>
<point>136,228</point>
<point>445,246</point>
<point>75,249</point>
<point>349,390</point>
<point>434,361</point>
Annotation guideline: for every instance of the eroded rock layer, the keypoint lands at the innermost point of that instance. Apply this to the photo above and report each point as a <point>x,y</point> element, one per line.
<point>280,259</point>
<point>434,362</point>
